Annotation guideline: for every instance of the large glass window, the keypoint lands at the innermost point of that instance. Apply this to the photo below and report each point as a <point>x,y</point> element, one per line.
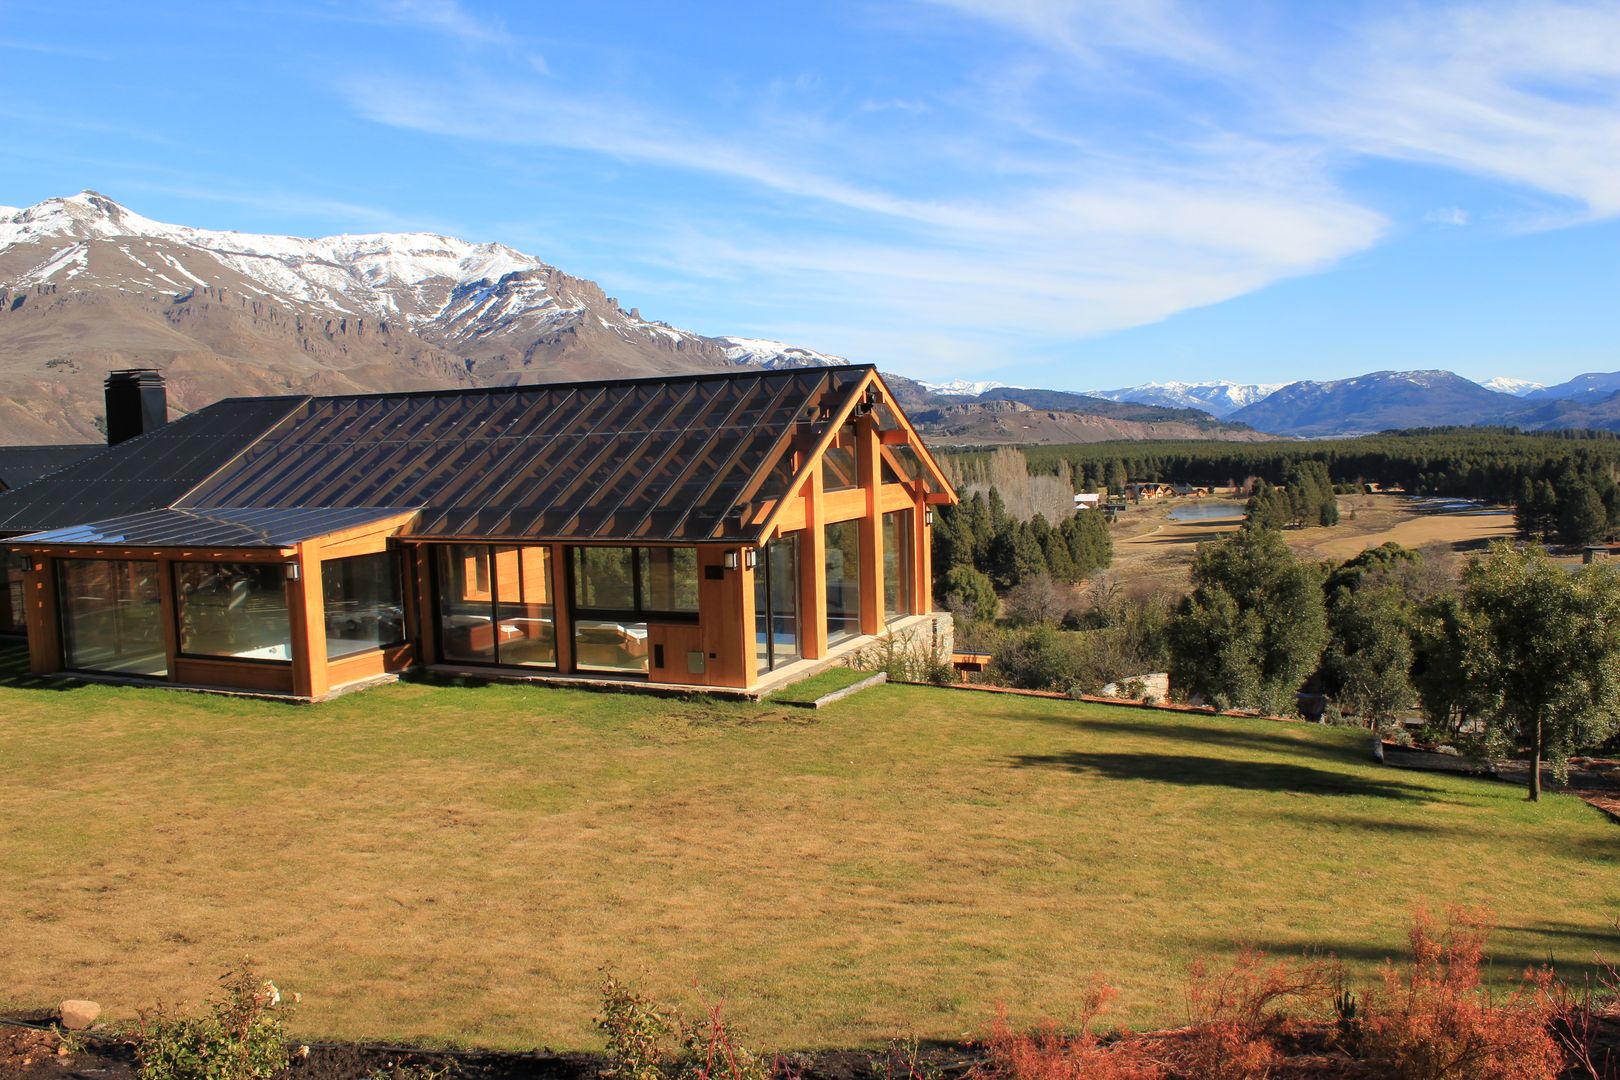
<point>616,590</point>
<point>12,619</point>
<point>843,581</point>
<point>897,564</point>
<point>495,605</point>
<point>112,616</point>
<point>776,603</point>
<point>364,609</point>
<point>236,610</point>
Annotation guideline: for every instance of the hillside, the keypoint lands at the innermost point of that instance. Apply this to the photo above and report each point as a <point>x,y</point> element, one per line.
<point>1378,401</point>
<point>87,285</point>
<point>1012,422</point>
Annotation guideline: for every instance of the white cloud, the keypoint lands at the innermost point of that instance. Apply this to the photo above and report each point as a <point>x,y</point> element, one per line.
<point>1447,215</point>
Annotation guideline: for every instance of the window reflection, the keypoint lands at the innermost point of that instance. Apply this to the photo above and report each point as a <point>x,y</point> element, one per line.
<point>495,605</point>
<point>236,610</point>
<point>843,581</point>
<point>112,617</point>
<point>364,610</point>
<point>897,564</point>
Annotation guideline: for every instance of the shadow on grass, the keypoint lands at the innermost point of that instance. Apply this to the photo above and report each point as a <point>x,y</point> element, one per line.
<point>1222,732</point>
<point>1193,771</point>
<point>1573,966</point>
<point>14,673</point>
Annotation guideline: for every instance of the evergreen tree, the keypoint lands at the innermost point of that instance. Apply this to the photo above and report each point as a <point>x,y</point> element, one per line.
<point>1368,664</point>
<point>972,592</point>
<point>1582,517</point>
<point>1542,652</point>
<point>1254,627</point>
<point>1525,520</point>
<point>1116,477</point>
<point>1029,557</point>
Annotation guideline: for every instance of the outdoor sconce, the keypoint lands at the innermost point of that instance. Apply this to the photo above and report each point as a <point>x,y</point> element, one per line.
<point>730,559</point>
<point>750,558</point>
<point>928,517</point>
<point>292,571</point>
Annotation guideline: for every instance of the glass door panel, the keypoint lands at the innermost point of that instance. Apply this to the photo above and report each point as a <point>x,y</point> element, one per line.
<point>112,616</point>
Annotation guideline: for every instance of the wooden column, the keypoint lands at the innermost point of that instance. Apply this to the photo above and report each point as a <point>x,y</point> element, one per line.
<point>427,626</point>
<point>746,667</point>
<point>306,608</point>
<point>167,610</point>
<point>813,572</point>
<point>40,613</point>
<point>868,464</point>
<point>923,596</point>
<point>562,619</point>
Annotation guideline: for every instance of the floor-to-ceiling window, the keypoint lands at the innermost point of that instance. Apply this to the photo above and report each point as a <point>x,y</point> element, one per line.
<point>236,611</point>
<point>776,603</point>
<point>495,605</point>
<point>112,616</point>
<point>897,565</point>
<point>843,550</point>
<point>11,599</point>
<point>616,591</point>
<point>362,599</point>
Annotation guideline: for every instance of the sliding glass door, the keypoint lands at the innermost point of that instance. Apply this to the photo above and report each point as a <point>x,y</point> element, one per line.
<point>843,581</point>
<point>495,605</point>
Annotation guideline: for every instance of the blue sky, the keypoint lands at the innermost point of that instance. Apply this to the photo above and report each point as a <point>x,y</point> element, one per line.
<point>1061,193</point>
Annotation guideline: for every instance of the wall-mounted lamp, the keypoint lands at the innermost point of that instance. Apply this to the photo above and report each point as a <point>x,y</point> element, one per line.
<point>292,571</point>
<point>928,517</point>
<point>730,560</point>
<point>750,558</point>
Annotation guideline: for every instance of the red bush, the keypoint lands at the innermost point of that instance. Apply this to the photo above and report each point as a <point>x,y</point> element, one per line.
<point>1050,1054</point>
<point>1237,1012</point>
<point>1436,1021</point>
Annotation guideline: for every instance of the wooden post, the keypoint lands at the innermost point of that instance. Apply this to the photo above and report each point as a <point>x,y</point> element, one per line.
<point>39,611</point>
<point>306,609</point>
<point>869,467</point>
<point>922,601</point>
<point>171,618</point>
<point>813,572</point>
<point>562,620</point>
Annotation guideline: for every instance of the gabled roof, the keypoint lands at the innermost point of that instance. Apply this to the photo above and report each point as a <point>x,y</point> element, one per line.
<point>21,465</point>
<point>688,459</point>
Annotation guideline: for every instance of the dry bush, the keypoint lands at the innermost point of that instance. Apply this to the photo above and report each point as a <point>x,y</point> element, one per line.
<point>1050,1054</point>
<point>1236,1014</point>
<point>1435,1020</point>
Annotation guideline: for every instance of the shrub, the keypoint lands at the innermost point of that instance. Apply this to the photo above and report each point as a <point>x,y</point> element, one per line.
<point>1436,1021</point>
<point>1050,1054</point>
<point>1236,1013</point>
<point>906,657</point>
<point>640,1034</point>
<point>238,1037</point>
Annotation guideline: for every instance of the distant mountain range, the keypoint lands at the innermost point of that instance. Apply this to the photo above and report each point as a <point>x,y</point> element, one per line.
<point>87,285</point>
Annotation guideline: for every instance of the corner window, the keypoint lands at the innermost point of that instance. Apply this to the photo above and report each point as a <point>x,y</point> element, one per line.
<point>364,608</point>
<point>233,610</point>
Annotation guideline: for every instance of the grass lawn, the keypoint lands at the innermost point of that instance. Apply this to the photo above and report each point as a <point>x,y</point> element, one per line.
<point>806,691</point>
<point>459,863</point>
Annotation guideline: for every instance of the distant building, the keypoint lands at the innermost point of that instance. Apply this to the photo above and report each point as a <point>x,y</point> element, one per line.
<point>1087,500</point>
<point>1195,491</point>
<point>1148,491</point>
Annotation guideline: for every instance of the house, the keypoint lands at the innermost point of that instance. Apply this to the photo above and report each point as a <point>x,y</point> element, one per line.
<point>1150,490</point>
<point>1087,500</point>
<point>1191,491</point>
<point>725,531</point>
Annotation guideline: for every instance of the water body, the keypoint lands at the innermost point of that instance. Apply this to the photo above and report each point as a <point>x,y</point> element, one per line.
<point>1207,510</point>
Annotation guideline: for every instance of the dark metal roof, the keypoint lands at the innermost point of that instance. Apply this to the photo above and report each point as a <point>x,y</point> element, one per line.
<point>21,465</point>
<point>684,459</point>
<point>273,527</point>
<point>148,472</point>
<point>670,459</point>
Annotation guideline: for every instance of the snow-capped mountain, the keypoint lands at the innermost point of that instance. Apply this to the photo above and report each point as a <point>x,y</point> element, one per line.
<point>1507,384</point>
<point>966,387</point>
<point>87,284</point>
<point>765,353</point>
<point>1219,398</point>
<point>1377,401</point>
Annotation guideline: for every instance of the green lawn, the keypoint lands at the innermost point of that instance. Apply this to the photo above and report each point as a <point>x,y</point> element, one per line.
<point>459,862</point>
<point>806,691</point>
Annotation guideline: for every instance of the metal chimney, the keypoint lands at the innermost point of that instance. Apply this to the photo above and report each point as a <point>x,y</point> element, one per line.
<point>137,402</point>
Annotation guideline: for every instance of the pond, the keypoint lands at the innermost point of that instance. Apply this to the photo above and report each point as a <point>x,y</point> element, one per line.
<point>1207,510</point>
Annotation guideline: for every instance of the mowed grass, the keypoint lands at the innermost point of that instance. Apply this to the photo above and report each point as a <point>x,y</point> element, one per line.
<point>458,863</point>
